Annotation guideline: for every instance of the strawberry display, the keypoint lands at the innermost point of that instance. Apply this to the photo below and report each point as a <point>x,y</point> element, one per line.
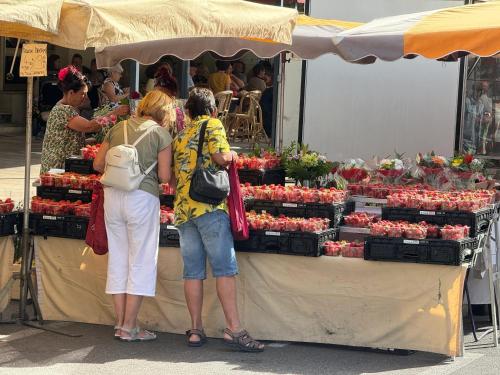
<point>51,207</point>
<point>83,210</point>
<point>166,215</point>
<point>6,206</point>
<point>467,200</point>
<point>360,219</point>
<point>70,180</point>
<point>454,232</point>
<point>344,248</point>
<point>282,223</point>
<point>418,231</point>
<point>89,152</point>
<point>294,194</point>
<point>268,160</point>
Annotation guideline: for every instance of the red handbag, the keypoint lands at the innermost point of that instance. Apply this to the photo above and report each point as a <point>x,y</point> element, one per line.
<point>96,236</point>
<point>237,216</point>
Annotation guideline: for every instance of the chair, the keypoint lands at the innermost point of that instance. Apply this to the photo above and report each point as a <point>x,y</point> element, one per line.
<point>258,131</point>
<point>223,100</point>
<point>241,121</point>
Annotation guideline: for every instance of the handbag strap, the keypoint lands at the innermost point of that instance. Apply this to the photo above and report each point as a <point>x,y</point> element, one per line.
<point>201,140</point>
<point>125,134</point>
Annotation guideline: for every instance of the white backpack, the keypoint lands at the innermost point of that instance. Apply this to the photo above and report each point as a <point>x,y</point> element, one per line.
<point>122,169</point>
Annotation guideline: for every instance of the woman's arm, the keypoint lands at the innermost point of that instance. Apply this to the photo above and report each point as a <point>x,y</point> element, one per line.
<point>238,82</point>
<point>100,159</point>
<point>81,124</point>
<point>109,90</point>
<point>225,158</point>
<point>165,165</point>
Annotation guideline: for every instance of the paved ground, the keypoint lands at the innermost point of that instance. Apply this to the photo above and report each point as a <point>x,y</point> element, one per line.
<point>94,351</point>
<point>12,165</point>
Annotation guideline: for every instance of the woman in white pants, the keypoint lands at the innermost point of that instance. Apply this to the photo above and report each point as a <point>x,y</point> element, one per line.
<point>133,218</point>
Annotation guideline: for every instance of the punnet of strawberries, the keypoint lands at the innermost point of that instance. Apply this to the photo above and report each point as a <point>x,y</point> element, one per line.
<point>294,194</point>
<point>418,231</point>
<point>267,160</point>
<point>70,180</point>
<point>282,223</point>
<point>166,215</point>
<point>360,219</point>
<point>89,152</point>
<point>344,248</point>
<point>6,206</point>
<point>58,208</point>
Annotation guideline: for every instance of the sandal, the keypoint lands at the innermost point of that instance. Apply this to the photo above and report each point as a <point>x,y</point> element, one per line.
<point>243,342</point>
<point>136,334</point>
<point>118,332</point>
<point>198,332</point>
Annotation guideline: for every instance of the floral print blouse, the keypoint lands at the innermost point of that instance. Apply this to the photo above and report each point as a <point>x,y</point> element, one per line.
<point>60,142</point>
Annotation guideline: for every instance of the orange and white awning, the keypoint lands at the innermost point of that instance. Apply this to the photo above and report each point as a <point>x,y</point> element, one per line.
<point>470,29</point>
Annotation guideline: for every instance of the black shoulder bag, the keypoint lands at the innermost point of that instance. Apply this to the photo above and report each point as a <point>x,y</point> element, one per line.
<point>208,186</point>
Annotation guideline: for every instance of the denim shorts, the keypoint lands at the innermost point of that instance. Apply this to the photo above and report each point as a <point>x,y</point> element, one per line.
<point>208,235</point>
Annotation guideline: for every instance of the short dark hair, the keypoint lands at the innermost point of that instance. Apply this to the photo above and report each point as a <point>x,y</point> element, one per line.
<point>77,56</point>
<point>257,69</point>
<point>201,102</point>
<point>73,79</point>
<point>51,61</point>
<point>165,79</point>
<point>222,65</point>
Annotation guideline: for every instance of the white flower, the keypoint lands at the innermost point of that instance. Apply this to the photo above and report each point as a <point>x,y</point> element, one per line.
<point>398,164</point>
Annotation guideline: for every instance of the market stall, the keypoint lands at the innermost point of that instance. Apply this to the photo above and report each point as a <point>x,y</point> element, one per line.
<point>330,300</point>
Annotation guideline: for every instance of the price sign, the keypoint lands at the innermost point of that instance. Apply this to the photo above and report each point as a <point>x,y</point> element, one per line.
<point>33,60</point>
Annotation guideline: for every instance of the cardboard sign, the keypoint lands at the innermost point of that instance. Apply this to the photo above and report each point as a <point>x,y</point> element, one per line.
<point>33,60</point>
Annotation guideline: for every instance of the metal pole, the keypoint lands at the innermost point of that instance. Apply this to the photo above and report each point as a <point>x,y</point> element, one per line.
<point>487,247</point>
<point>282,102</point>
<point>134,76</point>
<point>27,183</point>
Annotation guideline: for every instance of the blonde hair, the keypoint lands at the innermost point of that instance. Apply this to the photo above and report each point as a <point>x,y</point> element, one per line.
<point>158,105</point>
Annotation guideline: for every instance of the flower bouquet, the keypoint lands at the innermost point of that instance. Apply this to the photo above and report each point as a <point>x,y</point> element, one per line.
<point>304,165</point>
<point>353,170</point>
<point>132,101</point>
<point>466,170</point>
<point>106,121</point>
<point>432,168</point>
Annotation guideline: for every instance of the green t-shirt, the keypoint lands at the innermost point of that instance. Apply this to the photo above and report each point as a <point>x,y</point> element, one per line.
<point>148,148</point>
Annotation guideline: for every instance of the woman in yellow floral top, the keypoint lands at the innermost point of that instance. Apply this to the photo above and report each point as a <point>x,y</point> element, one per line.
<point>204,229</point>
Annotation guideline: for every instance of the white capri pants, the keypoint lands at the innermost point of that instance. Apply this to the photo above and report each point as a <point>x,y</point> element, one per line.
<point>133,229</point>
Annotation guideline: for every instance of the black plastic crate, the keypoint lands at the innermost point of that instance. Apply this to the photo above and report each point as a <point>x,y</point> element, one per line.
<point>333,212</point>
<point>77,164</point>
<point>477,221</point>
<point>262,177</point>
<point>167,200</point>
<point>288,243</point>
<point>10,223</point>
<point>430,251</point>
<point>59,226</point>
<point>169,236</point>
<point>63,193</point>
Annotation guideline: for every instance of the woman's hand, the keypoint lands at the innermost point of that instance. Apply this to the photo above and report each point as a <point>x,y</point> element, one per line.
<point>121,110</point>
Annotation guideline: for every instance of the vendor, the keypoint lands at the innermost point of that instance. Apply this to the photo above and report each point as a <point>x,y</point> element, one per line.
<point>65,134</point>
<point>111,92</point>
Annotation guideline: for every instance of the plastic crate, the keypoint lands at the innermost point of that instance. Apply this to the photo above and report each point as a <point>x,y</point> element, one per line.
<point>169,236</point>
<point>333,212</point>
<point>257,177</point>
<point>288,243</point>
<point>62,193</point>
<point>167,200</point>
<point>77,164</point>
<point>452,253</point>
<point>59,226</point>
<point>9,223</point>
<point>477,221</point>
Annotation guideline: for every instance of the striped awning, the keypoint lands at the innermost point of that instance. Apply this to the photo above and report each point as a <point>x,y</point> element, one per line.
<point>438,34</point>
<point>311,38</point>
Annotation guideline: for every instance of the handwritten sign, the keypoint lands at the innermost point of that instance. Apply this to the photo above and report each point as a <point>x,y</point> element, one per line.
<point>33,60</point>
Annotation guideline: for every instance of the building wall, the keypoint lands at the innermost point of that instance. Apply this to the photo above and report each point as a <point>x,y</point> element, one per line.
<point>361,111</point>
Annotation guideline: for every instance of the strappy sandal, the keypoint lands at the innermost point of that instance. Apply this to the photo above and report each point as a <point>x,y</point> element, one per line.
<point>198,332</point>
<point>243,342</point>
<point>134,335</point>
<point>118,332</point>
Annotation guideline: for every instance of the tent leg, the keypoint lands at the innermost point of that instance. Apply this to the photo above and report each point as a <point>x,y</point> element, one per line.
<point>282,102</point>
<point>25,267</point>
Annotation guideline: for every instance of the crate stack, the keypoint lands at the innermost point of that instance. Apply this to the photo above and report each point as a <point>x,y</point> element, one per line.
<point>10,218</point>
<point>292,242</point>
